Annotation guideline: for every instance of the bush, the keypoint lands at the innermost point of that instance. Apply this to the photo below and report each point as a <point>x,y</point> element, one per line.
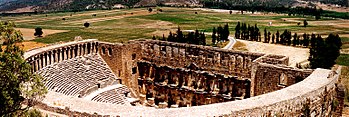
<point>305,23</point>
<point>86,24</point>
<point>150,10</point>
<point>38,32</point>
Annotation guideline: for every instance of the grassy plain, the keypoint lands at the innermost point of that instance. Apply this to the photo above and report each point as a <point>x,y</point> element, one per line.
<point>120,25</point>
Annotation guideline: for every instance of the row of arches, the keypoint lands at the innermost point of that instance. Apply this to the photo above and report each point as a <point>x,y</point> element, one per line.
<point>56,55</point>
<point>230,63</point>
<point>153,77</point>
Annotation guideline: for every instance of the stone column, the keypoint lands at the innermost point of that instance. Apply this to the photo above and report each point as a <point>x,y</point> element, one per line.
<point>86,49</point>
<point>69,52</point>
<point>43,60</point>
<point>74,51</point>
<point>92,48</point>
<point>79,50</point>
<point>36,64</point>
<point>180,78</point>
<point>55,56</point>
<point>59,55</point>
<point>240,63</point>
<point>40,62</point>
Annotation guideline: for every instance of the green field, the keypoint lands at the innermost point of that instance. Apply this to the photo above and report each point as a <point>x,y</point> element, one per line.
<point>120,25</point>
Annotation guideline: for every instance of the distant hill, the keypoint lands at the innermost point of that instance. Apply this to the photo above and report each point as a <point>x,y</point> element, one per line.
<point>58,5</point>
<point>77,5</point>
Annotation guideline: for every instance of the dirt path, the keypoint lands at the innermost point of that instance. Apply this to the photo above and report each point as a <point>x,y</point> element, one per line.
<point>28,34</point>
<point>295,54</point>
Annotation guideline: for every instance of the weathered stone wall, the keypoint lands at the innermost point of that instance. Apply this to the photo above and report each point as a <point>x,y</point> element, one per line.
<point>269,74</point>
<point>186,87</point>
<point>206,58</point>
<point>122,59</point>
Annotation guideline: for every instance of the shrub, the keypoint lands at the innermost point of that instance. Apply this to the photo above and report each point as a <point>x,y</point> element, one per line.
<point>150,10</point>
<point>86,24</point>
<point>305,23</point>
<point>38,32</point>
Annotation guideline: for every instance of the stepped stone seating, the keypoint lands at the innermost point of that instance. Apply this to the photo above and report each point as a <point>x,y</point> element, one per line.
<point>72,76</point>
<point>114,96</point>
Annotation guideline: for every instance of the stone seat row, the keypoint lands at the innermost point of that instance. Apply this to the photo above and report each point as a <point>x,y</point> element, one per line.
<point>75,75</point>
<point>114,96</point>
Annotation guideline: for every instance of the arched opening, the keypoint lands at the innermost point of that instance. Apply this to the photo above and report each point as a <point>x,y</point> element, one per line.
<point>110,51</point>
<point>103,50</point>
<point>133,56</point>
<point>134,70</point>
<point>283,79</point>
<point>298,79</point>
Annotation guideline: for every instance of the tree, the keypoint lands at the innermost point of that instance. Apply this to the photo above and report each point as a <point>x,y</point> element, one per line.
<point>18,82</point>
<point>163,37</point>
<point>333,46</point>
<point>154,37</point>
<point>312,39</point>
<point>273,39</point>
<point>170,37</point>
<point>150,10</point>
<point>237,31</point>
<point>202,39</point>
<point>86,24</point>
<point>256,32</point>
<point>243,31</point>
<point>277,36</point>
<point>225,32</point>
<point>38,32</point>
<point>323,54</point>
<point>269,36</point>
<point>180,36</point>
<point>265,35</point>
<point>294,42</point>
<point>317,52</point>
<point>305,40</point>
<point>305,23</point>
<point>219,32</point>
<point>214,35</point>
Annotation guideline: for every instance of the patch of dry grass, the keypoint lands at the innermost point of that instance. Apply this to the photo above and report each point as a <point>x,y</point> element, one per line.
<point>240,46</point>
<point>27,45</point>
<point>222,44</point>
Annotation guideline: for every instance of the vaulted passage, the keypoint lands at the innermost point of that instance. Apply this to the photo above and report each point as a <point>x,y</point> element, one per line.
<point>181,87</point>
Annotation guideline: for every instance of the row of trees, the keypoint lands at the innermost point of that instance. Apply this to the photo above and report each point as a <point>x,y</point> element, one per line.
<point>323,54</point>
<point>198,37</point>
<point>246,32</point>
<point>195,37</point>
<point>220,34</point>
<point>275,6</point>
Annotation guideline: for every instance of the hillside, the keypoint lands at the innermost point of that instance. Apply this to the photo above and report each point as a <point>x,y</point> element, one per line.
<point>77,5</point>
